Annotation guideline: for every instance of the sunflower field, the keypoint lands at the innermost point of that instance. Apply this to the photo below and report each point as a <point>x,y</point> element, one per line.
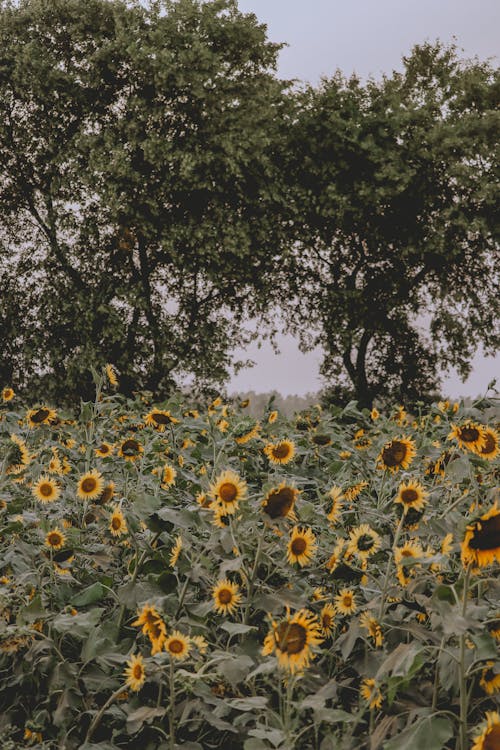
<point>180,575</point>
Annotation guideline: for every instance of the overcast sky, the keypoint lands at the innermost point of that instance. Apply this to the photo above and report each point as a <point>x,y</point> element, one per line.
<point>368,37</point>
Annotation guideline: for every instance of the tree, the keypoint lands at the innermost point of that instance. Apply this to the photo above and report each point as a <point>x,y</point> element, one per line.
<point>137,187</point>
<point>393,186</point>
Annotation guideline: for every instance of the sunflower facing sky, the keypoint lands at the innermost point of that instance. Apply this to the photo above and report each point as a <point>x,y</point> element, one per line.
<point>227,490</point>
<point>301,547</point>
<point>55,539</point>
<point>46,489</point>
<point>411,495</point>
<point>226,596</point>
<point>481,544</point>
<point>90,485</point>
<point>293,640</point>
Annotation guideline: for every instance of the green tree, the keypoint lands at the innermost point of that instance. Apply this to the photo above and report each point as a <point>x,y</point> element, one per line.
<point>393,187</point>
<point>137,187</point>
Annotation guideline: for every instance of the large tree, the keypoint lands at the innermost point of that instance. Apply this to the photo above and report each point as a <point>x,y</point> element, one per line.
<point>137,188</point>
<point>395,267</point>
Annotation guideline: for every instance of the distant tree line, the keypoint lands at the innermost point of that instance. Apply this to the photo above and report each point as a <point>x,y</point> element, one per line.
<point>165,198</point>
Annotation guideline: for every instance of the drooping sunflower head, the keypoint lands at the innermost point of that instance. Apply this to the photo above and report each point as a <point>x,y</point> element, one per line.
<point>118,524</point>
<point>111,375</point>
<point>279,501</point>
<point>363,542</point>
<point>469,435</point>
<point>491,446</point>
<point>176,551</point>
<point>293,640</point>
<point>40,415</point>
<point>335,495</point>
<point>397,454</point>
<point>130,449</point>
<point>281,452</point>
<point>107,493</point>
<point>135,672</point>
<point>489,736</point>
<point>321,440</point>
<point>372,626</point>
<point>226,596</point>
<point>301,547</point>
<point>490,678</point>
<point>18,455</point>
<point>411,495</point>
<point>370,691</point>
<point>403,556</point>
<point>55,539</point>
<point>327,619</point>
<point>90,485</point>
<point>481,544</point>
<point>246,431</point>
<point>46,490</point>
<point>228,490</point>
<point>160,419</point>
<point>177,645</point>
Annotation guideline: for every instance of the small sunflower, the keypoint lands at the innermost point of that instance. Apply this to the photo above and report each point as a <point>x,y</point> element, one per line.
<point>491,447</point>
<point>279,501</point>
<point>345,602</point>
<point>372,626</point>
<point>108,493</point>
<point>46,490</point>
<point>130,449</point>
<point>301,547</point>
<point>327,619</point>
<point>335,557</point>
<point>481,544</point>
<point>90,485</point>
<point>374,414</point>
<point>370,691</point>
<point>18,457</point>
<point>293,640</point>
<point>352,492</point>
<point>489,738</point>
<point>146,618</point>
<point>118,524</point>
<point>246,433</point>
<point>111,375</point>
<point>105,449</point>
<point>157,635</point>
<point>55,539</point>
<point>273,416</point>
<point>176,551</point>
<point>411,495</point>
<point>7,393</point>
<point>41,415</point>
<point>397,454</point>
<point>227,491</point>
<point>490,680</point>
<point>335,495</point>
<point>226,596</point>
<point>281,452</point>
<point>169,474</point>
<point>177,645</point>
<point>160,419</point>
<point>135,672</point>
<point>470,436</point>
<point>363,542</point>
<point>402,557</point>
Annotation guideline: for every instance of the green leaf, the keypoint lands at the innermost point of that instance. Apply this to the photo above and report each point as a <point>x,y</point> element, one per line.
<point>90,595</point>
<point>428,733</point>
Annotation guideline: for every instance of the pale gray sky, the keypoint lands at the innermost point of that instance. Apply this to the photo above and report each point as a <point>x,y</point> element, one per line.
<point>366,37</point>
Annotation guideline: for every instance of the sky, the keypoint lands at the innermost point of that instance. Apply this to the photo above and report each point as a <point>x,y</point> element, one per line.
<point>367,37</point>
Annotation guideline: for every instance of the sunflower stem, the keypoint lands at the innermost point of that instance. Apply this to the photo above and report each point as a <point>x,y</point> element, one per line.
<point>97,719</point>
<point>171,707</point>
<point>388,569</point>
<point>463,676</point>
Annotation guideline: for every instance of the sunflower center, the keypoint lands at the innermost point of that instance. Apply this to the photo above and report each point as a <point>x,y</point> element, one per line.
<point>54,539</point>
<point>225,596</point>
<point>487,534</point>
<point>299,546</point>
<point>45,489</point>
<point>280,502</point>
<point>160,418</point>
<point>326,620</point>
<point>394,454</point>
<point>104,448</point>
<point>322,439</point>
<point>407,553</point>
<point>409,496</point>
<point>281,451</point>
<point>130,447</point>
<point>469,434</point>
<point>347,600</point>
<point>89,484</point>
<point>176,646</point>
<point>365,542</point>
<point>292,637</point>
<point>137,671</point>
<point>116,522</point>
<point>39,415</point>
<point>228,492</point>
<point>492,739</point>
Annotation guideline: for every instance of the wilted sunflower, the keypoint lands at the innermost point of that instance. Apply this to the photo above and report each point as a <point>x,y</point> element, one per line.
<point>370,691</point>
<point>7,394</point>
<point>301,547</point>
<point>159,419</point>
<point>481,544</point>
<point>490,680</point>
<point>470,436</point>
<point>226,596</point>
<point>335,557</point>
<point>279,501</point>
<point>118,524</point>
<point>363,542</point>
<point>411,495</point>
<point>111,375</point>
<point>55,539</point>
<point>176,551</point>
<point>157,634</point>
<point>321,440</point>
<point>489,738</point>
<point>169,474</point>
<point>490,449</point>
<point>352,492</point>
<point>107,494</point>
<point>46,490</point>
<point>327,619</point>
<point>105,449</point>
<point>18,457</point>
<point>177,645</point>
<point>336,495</point>
<point>345,602</point>
<point>90,485</point>
<point>247,433</point>
<point>135,672</point>
<point>130,449</point>
<point>147,617</point>
<point>281,452</point>
<point>41,415</point>
<point>227,491</point>
<point>372,626</point>
<point>293,640</point>
<point>397,454</point>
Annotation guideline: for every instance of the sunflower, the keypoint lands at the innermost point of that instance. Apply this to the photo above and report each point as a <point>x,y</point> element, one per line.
<point>46,490</point>
<point>370,691</point>
<point>226,596</point>
<point>90,485</point>
<point>279,501</point>
<point>321,440</point>
<point>402,556</point>
<point>470,436</point>
<point>203,500</point>
<point>7,394</point>
<point>490,448</point>
<point>107,494</point>
<point>293,640</point>
<point>281,452</point>
<point>105,449</point>
<point>494,628</point>
<point>157,634</point>
<point>345,602</point>
<point>169,474</point>
<point>41,415</point>
<point>177,645</point>
<point>135,672</point>
<point>55,539</point>
<point>374,414</point>
<point>481,544</point>
<point>245,434</point>
<point>490,680</point>
<point>372,626</point>
<point>489,738</point>
<point>227,491</point>
<point>363,542</point>
<point>352,492</point>
<point>111,375</point>
<point>18,457</point>
<point>326,619</point>
<point>397,454</point>
<point>411,495</point>
<point>220,519</point>
<point>335,495</point>
<point>200,643</point>
<point>335,557</point>
<point>362,444</point>
<point>146,618</point>
<point>176,551</point>
<point>273,416</point>
<point>130,449</point>
<point>118,524</point>
<point>301,547</point>
<point>159,419</point>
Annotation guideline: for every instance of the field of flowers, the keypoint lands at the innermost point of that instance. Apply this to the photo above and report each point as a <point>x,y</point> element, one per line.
<point>185,576</point>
